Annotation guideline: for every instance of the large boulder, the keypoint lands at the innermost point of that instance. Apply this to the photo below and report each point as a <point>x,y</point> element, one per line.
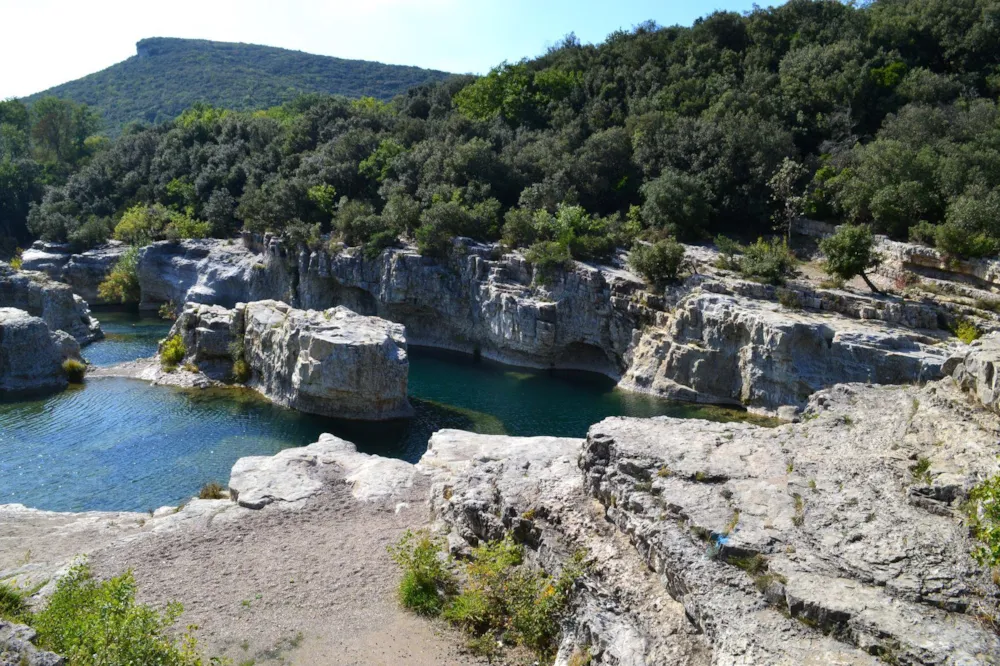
<point>975,368</point>
<point>334,363</point>
<point>722,348</point>
<point>31,356</point>
<point>83,271</point>
<point>54,302</point>
<point>17,647</point>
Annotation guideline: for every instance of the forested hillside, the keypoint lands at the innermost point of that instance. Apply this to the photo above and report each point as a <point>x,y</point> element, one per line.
<point>883,114</point>
<point>167,76</point>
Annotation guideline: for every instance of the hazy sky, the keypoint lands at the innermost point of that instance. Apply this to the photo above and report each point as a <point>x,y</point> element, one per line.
<point>47,42</point>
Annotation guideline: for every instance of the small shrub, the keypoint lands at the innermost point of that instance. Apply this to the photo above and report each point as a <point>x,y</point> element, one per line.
<point>13,605</point>
<point>548,257</point>
<point>983,513</point>
<point>426,578</point>
<point>923,233</point>
<point>922,471</point>
<point>790,299</point>
<point>122,283</point>
<point>966,331</point>
<point>168,311</point>
<point>172,352</point>
<point>96,623</point>
<point>16,262</point>
<point>767,261</point>
<point>212,491</point>
<point>241,369</point>
<point>74,370</point>
<point>658,263</point>
<point>728,252</point>
<point>375,245</point>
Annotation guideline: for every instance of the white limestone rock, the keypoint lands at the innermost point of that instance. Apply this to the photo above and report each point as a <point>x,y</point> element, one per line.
<point>31,356</point>
<point>52,301</point>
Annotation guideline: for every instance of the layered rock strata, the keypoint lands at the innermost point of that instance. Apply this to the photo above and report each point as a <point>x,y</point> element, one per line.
<point>335,362</point>
<point>31,356</point>
<point>54,302</point>
<point>83,272</point>
<point>729,349</point>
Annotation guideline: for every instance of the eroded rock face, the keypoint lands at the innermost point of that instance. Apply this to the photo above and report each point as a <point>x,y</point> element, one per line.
<point>974,368</point>
<point>823,521</point>
<point>31,356</point>
<point>83,272</point>
<point>335,363</point>
<point>730,349</point>
<point>17,647</point>
<point>54,302</point>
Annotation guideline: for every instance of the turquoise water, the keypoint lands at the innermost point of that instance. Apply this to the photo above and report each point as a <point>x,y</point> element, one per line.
<point>121,444</point>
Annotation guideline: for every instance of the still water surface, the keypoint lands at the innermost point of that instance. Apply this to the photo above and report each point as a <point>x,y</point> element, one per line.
<point>121,444</point>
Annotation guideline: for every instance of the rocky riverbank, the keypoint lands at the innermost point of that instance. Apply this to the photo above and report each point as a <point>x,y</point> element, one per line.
<point>816,542</point>
<point>52,301</point>
<point>31,355</point>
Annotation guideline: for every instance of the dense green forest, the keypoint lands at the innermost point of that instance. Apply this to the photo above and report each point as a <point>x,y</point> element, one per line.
<point>884,114</point>
<point>167,76</point>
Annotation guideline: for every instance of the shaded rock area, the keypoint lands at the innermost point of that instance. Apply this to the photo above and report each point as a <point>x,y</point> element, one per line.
<point>731,349</point>
<point>31,356</point>
<point>54,302</point>
<point>17,647</point>
<point>83,272</point>
<point>334,363</point>
<point>974,369</point>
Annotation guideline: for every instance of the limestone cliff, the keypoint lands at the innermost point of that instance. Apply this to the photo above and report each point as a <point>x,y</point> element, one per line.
<point>335,362</point>
<point>54,302</point>
<point>31,356</point>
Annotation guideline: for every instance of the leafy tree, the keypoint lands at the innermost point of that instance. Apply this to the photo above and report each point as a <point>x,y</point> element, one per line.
<point>658,263</point>
<point>785,185</point>
<point>851,252</point>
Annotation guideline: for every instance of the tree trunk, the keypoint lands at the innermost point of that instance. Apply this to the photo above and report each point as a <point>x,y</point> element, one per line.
<point>869,283</point>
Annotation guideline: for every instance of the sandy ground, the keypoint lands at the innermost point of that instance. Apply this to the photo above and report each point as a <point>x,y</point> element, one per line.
<point>311,587</point>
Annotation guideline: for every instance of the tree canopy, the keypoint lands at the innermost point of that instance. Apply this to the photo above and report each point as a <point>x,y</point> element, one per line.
<point>883,114</point>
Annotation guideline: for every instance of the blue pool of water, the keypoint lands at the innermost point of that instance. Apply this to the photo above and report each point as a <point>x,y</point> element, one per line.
<point>121,444</point>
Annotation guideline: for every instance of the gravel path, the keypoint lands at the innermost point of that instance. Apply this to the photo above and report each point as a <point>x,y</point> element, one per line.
<point>314,586</point>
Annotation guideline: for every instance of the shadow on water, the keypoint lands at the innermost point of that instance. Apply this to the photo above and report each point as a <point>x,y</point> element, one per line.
<point>120,444</point>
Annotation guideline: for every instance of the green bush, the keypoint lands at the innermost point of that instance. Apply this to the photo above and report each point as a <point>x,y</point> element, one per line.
<point>953,240</point>
<point>212,491</point>
<point>122,283</point>
<point>241,369</point>
<point>95,623</point>
<point>374,246</point>
<point>767,261</point>
<point>510,601</point>
<point>13,605</point>
<point>983,511</point>
<point>172,352</point>
<point>658,263</point>
<point>923,233</point>
<point>728,251</point>
<point>426,578</point>
<point>548,258</point>
<point>74,370</point>
<point>966,331</point>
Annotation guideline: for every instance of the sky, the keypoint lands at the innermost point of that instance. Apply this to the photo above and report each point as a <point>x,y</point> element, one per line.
<point>48,42</point>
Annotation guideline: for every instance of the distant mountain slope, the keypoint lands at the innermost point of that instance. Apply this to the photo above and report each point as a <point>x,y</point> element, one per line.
<point>168,75</point>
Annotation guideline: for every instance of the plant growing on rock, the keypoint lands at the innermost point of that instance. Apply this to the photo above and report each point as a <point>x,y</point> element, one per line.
<point>426,577</point>
<point>850,252</point>
<point>212,491</point>
<point>122,283</point>
<point>983,513</point>
<point>658,263</point>
<point>74,370</point>
<point>98,623</point>
<point>16,261</point>
<point>172,352</point>
<point>168,311</point>
<point>966,331</point>
<point>767,261</point>
<point>548,257</point>
<point>13,605</point>
<point>241,369</point>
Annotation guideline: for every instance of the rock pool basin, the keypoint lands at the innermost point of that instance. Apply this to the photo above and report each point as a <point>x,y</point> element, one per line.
<point>122,444</point>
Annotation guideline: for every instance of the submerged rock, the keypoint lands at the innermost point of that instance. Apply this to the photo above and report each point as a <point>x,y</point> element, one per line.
<point>54,302</point>
<point>31,356</point>
<point>83,272</point>
<point>334,363</point>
